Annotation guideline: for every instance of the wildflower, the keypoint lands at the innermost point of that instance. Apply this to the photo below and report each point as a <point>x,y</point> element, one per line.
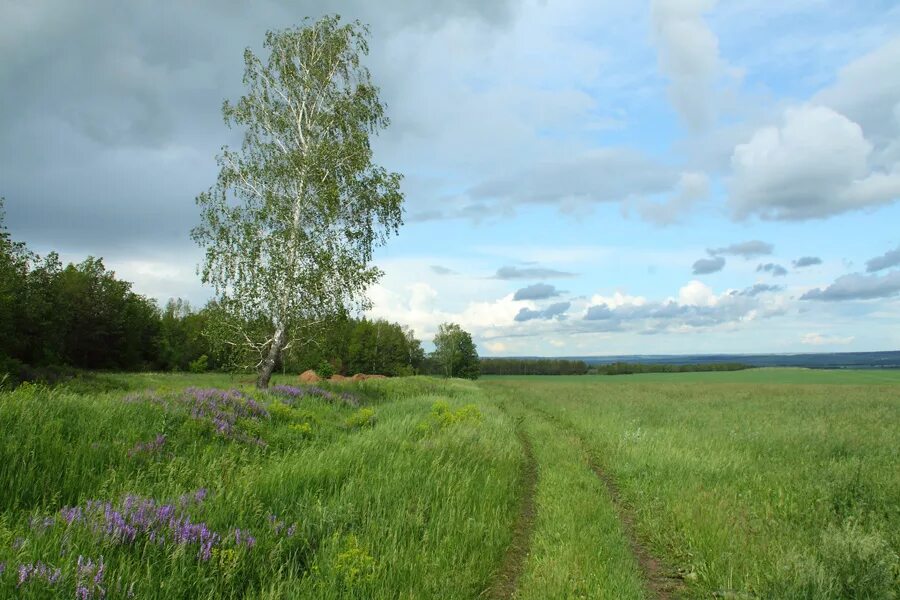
<point>150,447</point>
<point>36,571</point>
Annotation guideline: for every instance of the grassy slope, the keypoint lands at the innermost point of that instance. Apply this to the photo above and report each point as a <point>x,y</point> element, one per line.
<point>786,491</point>
<point>418,505</point>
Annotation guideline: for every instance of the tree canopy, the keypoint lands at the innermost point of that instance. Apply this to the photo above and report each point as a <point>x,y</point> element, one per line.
<point>290,225</point>
<point>455,353</point>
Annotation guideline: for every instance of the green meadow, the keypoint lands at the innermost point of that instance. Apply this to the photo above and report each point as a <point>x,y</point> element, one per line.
<point>767,483</point>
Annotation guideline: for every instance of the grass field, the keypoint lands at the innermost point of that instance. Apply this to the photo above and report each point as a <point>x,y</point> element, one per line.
<point>766,483</point>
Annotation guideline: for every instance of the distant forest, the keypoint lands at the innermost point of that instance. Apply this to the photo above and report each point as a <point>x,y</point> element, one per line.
<point>560,366</point>
<point>81,316</point>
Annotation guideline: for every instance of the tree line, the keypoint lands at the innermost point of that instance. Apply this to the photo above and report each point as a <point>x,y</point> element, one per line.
<point>532,366</point>
<point>625,368</point>
<point>82,316</point>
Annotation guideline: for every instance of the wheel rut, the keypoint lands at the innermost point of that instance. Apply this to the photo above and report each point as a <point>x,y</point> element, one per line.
<point>506,579</point>
<point>659,580</point>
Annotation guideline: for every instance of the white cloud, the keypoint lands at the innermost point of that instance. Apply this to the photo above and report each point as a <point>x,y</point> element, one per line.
<point>618,299</point>
<point>818,339</point>
<point>697,293</point>
<point>496,347</point>
<point>814,164</point>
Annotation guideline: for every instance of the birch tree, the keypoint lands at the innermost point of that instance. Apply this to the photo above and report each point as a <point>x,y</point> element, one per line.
<point>290,225</point>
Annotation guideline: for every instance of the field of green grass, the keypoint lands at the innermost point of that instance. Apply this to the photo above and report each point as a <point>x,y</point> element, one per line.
<point>766,483</point>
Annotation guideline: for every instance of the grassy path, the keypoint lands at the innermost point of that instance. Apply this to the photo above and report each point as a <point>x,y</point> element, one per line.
<point>660,580</point>
<point>579,547</point>
<point>506,580</point>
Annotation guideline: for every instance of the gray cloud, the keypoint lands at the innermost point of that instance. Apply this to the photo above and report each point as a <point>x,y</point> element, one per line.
<point>538,291</point>
<point>605,175</point>
<point>556,310</point>
<point>891,258</point>
<point>775,270</point>
<point>749,249</point>
<point>866,91</point>
<point>512,272</point>
<point>856,286</point>
<point>807,261</point>
<point>705,266</point>
<point>692,188</point>
<point>760,288</point>
<point>661,316</point>
<point>111,119</point>
<point>689,57</point>
<point>440,270</point>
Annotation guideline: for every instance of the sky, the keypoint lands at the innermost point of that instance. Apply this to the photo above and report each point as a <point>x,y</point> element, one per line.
<point>581,177</point>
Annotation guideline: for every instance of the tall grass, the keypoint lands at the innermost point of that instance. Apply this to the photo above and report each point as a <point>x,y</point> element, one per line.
<point>176,494</point>
<point>777,491</point>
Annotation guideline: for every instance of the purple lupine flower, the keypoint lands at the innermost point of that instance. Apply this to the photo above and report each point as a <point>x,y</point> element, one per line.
<point>2,568</point>
<point>291,530</point>
<point>38,570</point>
<point>40,524</point>
<point>150,447</point>
<point>101,569</point>
<point>71,514</point>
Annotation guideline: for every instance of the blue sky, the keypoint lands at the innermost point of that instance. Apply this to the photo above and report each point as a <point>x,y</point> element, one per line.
<point>567,164</point>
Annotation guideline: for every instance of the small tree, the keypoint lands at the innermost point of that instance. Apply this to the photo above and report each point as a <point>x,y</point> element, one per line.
<point>290,225</point>
<point>454,352</point>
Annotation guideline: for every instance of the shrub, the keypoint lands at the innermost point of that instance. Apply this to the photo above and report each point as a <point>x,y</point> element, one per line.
<point>364,417</point>
<point>325,370</point>
<point>442,416</point>
<point>201,365</point>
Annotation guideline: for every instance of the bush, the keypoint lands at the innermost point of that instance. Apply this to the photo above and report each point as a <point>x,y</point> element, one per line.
<point>364,417</point>
<point>201,365</point>
<point>325,370</point>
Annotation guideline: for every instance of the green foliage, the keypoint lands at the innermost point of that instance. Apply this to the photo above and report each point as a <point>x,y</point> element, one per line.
<point>354,565</point>
<point>291,223</point>
<point>324,370</point>
<point>200,365</point>
<point>454,352</point>
<point>442,416</point>
<point>364,417</point>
